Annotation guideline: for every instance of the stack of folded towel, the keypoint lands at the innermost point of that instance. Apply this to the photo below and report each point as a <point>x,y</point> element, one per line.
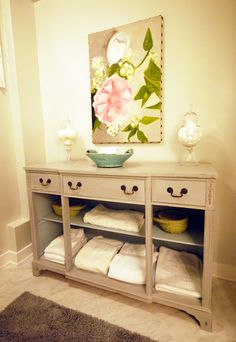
<point>55,251</point>
<point>129,220</point>
<point>129,264</point>
<point>178,272</point>
<point>97,254</point>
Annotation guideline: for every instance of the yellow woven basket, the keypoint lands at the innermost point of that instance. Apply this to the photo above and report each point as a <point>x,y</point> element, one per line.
<point>74,209</point>
<point>171,221</point>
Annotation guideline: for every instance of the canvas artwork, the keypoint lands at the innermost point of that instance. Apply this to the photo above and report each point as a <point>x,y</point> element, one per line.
<point>126,83</point>
<point>2,78</point>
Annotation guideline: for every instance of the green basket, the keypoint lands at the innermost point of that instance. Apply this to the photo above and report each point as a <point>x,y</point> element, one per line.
<point>171,221</point>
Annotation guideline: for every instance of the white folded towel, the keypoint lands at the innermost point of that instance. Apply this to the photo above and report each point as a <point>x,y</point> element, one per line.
<point>129,220</point>
<point>134,249</point>
<point>55,251</point>
<point>178,272</point>
<point>129,264</point>
<point>128,268</point>
<point>97,254</point>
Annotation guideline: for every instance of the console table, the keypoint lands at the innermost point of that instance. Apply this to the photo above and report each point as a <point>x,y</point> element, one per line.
<point>146,186</point>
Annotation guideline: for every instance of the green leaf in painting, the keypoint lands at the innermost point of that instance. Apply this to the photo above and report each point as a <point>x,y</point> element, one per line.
<point>153,71</point>
<point>155,106</point>
<point>132,132</point>
<point>96,124</point>
<point>145,98</point>
<point>141,136</point>
<point>114,68</point>
<point>127,128</point>
<point>148,42</point>
<point>142,91</point>
<point>152,77</point>
<point>153,86</point>
<point>146,120</point>
<point>143,94</point>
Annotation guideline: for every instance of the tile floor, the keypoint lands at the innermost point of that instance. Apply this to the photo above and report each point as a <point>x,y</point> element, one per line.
<point>159,322</point>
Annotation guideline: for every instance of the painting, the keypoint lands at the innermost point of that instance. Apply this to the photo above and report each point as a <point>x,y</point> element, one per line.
<point>126,83</point>
<point>2,78</point>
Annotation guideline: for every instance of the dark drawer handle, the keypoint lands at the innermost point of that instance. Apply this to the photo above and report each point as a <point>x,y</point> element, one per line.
<point>47,182</point>
<point>134,189</point>
<point>183,191</point>
<point>78,185</point>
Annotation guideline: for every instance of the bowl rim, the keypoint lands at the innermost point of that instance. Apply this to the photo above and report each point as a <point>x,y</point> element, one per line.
<point>76,206</point>
<point>130,151</point>
<point>182,214</point>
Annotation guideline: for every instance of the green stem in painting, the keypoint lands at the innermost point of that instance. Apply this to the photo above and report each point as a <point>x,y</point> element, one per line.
<point>143,60</point>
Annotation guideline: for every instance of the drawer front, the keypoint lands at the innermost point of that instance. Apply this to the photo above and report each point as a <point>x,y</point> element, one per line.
<point>121,189</point>
<point>45,182</point>
<point>186,192</point>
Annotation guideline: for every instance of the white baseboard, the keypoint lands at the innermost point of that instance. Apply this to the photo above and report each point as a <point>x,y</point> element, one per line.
<point>15,258</point>
<point>224,271</point>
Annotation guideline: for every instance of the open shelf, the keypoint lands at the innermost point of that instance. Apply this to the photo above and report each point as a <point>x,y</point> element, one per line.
<point>191,236</point>
<point>45,264</point>
<point>53,218</point>
<point>104,282</point>
<point>176,300</point>
<point>78,222</point>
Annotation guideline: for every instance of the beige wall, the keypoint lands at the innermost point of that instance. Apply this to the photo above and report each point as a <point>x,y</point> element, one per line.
<point>22,132</point>
<point>199,68</point>
<point>9,195</point>
<point>23,25</point>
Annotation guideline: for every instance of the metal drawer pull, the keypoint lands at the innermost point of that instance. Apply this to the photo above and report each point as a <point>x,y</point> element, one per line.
<point>78,185</point>
<point>134,189</point>
<point>47,182</point>
<point>183,191</point>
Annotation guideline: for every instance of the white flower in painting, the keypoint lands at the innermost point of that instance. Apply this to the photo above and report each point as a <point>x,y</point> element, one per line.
<point>134,121</point>
<point>99,67</point>
<point>117,47</point>
<point>97,82</point>
<point>98,63</point>
<point>128,54</point>
<point>127,70</point>
<point>113,129</point>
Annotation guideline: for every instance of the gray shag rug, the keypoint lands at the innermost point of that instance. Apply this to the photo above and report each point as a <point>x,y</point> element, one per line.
<point>31,318</point>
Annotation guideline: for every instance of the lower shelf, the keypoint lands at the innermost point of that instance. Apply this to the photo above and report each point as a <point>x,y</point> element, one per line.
<point>192,306</point>
<point>101,281</point>
<point>44,264</point>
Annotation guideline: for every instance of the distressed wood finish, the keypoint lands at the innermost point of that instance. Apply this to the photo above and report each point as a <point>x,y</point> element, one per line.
<point>158,185</point>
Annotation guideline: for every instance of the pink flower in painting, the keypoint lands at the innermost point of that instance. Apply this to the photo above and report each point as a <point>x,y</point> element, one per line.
<point>113,100</point>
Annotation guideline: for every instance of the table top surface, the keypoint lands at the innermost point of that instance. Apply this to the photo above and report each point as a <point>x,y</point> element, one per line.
<point>129,168</point>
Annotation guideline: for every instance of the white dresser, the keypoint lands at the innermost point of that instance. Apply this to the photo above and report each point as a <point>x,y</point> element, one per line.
<point>146,187</point>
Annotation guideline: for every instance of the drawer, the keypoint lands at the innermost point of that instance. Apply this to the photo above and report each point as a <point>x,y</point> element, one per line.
<point>121,189</point>
<point>45,182</point>
<point>188,192</point>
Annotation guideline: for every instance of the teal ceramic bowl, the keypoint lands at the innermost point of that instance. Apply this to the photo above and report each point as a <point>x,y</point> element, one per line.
<point>109,159</point>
